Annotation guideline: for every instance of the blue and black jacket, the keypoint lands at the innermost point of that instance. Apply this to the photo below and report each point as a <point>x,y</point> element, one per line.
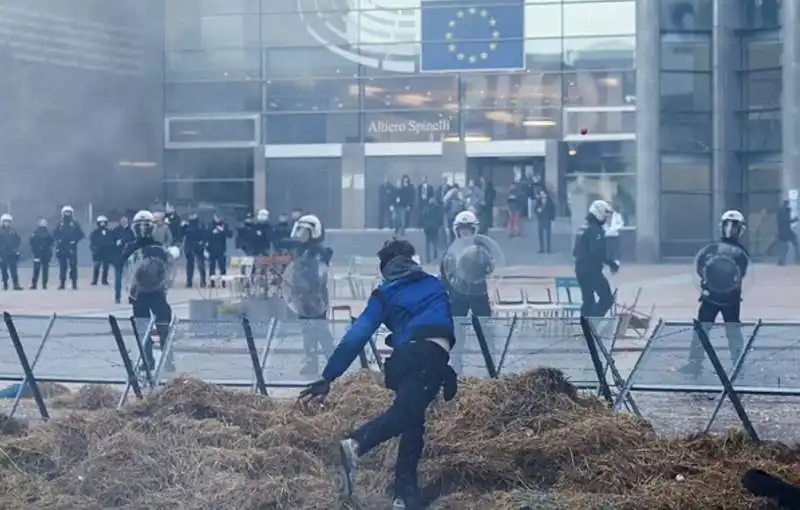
<point>411,303</point>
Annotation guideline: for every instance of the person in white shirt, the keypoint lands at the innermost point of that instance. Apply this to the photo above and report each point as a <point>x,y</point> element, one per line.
<point>612,228</point>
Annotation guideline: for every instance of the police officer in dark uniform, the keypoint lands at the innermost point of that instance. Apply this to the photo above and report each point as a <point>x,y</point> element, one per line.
<point>9,252</point>
<point>281,231</point>
<point>262,234</point>
<point>415,307</point>
<point>68,234</point>
<point>149,263</point>
<point>468,292</point>
<point>101,243</point>
<point>244,235</point>
<point>195,241</point>
<point>218,236</point>
<point>721,267</point>
<point>122,236</point>
<point>41,243</point>
<point>173,221</point>
<point>590,256</point>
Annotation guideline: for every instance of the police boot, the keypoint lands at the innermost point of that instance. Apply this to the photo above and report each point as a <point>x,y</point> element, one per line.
<point>5,285</point>
<point>692,369</point>
<point>61,285</point>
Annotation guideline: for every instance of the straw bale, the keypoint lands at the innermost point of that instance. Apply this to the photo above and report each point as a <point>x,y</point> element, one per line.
<point>10,426</point>
<point>527,441</point>
<point>90,397</point>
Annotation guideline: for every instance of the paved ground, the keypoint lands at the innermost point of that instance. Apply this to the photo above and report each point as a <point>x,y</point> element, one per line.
<point>79,345</point>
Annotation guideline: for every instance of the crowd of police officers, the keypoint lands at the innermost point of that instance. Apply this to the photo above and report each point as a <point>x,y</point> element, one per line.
<point>204,246</point>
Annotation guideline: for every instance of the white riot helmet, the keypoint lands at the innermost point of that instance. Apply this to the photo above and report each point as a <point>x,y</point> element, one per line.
<point>67,210</point>
<point>6,219</point>
<point>143,223</point>
<point>308,228</point>
<point>102,220</point>
<point>465,223</point>
<point>601,210</point>
<point>732,225</point>
<point>262,216</point>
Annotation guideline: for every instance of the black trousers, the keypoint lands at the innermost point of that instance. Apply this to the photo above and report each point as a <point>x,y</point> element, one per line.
<point>545,231</point>
<point>41,268</point>
<point>100,265</point>
<point>155,303</point>
<point>68,263</point>
<point>415,372</point>
<point>595,293</point>
<point>8,268</point>
<point>431,245</point>
<point>195,258</point>
<point>706,315</point>
<point>217,261</point>
<point>479,305</point>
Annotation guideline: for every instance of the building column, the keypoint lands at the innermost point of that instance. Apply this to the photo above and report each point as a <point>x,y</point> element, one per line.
<point>259,178</point>
<point>791,96</point>
<point>726,171</point>
<point>354,199</point>
<point>648,160</point>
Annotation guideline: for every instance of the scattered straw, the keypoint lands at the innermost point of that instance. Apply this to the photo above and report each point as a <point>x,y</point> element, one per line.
<point>521,442</point>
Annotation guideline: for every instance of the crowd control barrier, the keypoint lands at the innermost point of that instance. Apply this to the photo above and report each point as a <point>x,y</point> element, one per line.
<point>749,376</point>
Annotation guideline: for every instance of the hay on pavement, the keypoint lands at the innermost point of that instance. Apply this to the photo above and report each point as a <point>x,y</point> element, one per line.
<point>526,441</point>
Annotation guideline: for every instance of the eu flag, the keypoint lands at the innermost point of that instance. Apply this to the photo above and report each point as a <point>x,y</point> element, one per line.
<point>472,35</point>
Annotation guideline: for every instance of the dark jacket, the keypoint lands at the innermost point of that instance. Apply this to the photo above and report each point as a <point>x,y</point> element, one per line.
<point>218,236</point>
<point>727,284</point>
<point>173,221</point>
<point>101,243</point>
<point>9,242</point>
<point>148,281</point>
<point>41,243</point>
<point>785,221</point>
<point>431,218</point>
<point>67,236</point>
<point>405,196</point>
<point>262,239</point>
<point>590,249</point>
<point>545,210</point>
<point>194,235</point>
<point>517,199</point>
<point>411,303</point>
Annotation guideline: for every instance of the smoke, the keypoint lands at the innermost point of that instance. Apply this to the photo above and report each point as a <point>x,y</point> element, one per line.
<point>81,93</point>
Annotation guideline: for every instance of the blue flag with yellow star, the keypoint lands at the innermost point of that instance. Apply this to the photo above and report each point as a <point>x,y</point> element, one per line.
<point>472,35</point>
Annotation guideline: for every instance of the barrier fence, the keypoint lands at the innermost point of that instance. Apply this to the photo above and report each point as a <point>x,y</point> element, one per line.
<point>749,374</point>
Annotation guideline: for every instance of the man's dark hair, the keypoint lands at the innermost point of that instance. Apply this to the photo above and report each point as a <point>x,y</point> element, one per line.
<point>395,248</point>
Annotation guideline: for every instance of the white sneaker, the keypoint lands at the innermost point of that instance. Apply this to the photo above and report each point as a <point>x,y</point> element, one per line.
<point>398,504</point>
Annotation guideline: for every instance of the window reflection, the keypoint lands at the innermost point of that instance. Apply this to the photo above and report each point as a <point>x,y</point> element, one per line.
<point>543,20</point>
<point>521,92</point>
<point>685,91</point>
<point>212,130</point>
<point>687,15</point>
<point>602,18</point>
<point>686,223</point>
<point>679,174</point>
<point>686,132</point>
<point>212,32</point>
<point>599,53</point>
<point>410,92</point>
<point>510,125</point>
<point>762,13</point>
<point>679,53</point>
<point>306,62</point>
<point>763,54</point>
<point>213,65</point>
<point>212,97</point>
<point>410,126</point>
<point>763,89</point>
<point>294,128</point>
<point>762,131</point>
<point>310,95</point>
<point>599,121</point>
<point>618,190</point>
<point>208,164</point>
<point>601,157</point>
<point>187,8</point>
<point>543,54</point>
<point>600,88</point>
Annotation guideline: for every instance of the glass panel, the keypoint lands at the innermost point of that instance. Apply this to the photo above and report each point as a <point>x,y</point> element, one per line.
<point>619,190</point>
<point>306,62</point>
<point>606,18</point>
<point>761,14</point>
<point>543,54</point>
<point>599,53</point>
<point>212,97</point>
<point>685,175</point>
<point>761,54</point>
<point>599,122</point>
<point>763,131</point>
<point>521,91</point>
<point>311,184</point>
<point>232,199</point>
<point>311,128</point>
<point>543,20</point>
<point>411,92</point>
<point>600,88</point>
<point>601,158</point>
<point>212,130</point>
<point>213,65</point>
<point>686,217</point>
<point>212,32</point>
<point>208,163</point>
<point>189,8</point>
<point>764,177</point>
<point>689,52</point>
<point>314,28</point>
<point>410,126</point>
<point>763,89</point>
<point>685,92</point>
<point>687,15</point>
<point>311,95</point>
<point>511,125</point>
<point>686,132</point>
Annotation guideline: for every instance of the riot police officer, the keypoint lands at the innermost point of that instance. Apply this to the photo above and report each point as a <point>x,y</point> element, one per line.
<point>9,252</point>
<point>218,236</point>
<point>195,242</point>
<point>590,256</point>
<point>101,243</point>
<point>41,243</point>
<point>68,234</point>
